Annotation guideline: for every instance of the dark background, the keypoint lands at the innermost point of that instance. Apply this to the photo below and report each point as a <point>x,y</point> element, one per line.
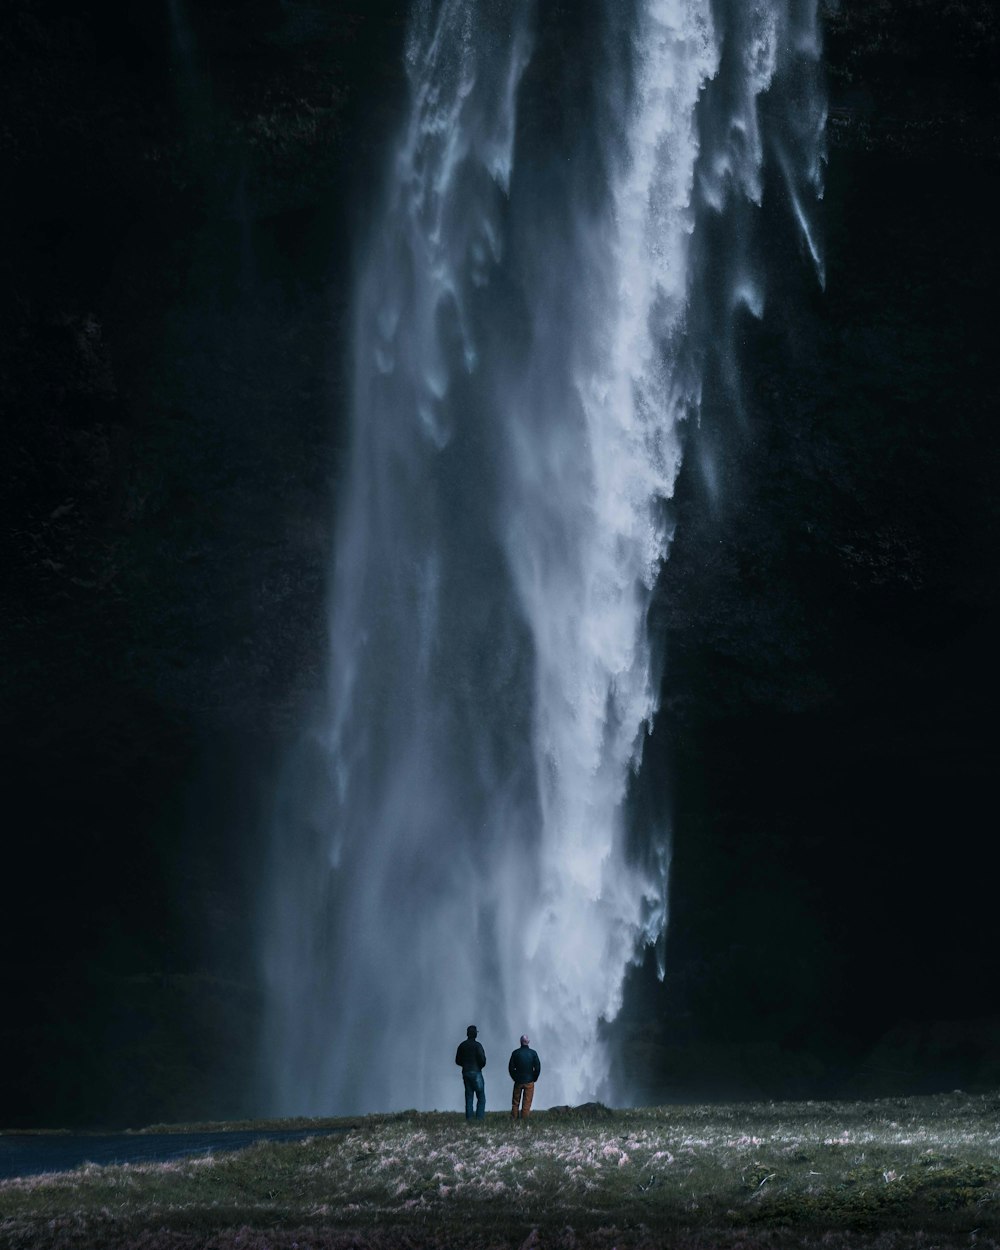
<point>184,184</point>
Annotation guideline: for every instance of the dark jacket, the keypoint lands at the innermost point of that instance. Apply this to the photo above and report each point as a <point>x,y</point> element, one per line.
<point>470,1056</point>
<point>524,1066</point>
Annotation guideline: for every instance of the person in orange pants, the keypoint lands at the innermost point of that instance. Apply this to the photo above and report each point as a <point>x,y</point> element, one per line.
<point>524,1069</point>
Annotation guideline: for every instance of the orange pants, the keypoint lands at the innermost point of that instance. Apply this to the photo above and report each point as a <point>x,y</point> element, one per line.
<point>523,1095</point>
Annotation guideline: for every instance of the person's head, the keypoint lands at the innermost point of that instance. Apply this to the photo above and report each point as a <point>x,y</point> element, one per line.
<point>472,1032</point>
<point>525,1039</point>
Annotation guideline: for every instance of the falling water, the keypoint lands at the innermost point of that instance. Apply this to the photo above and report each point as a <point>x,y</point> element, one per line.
<point>450,844</point>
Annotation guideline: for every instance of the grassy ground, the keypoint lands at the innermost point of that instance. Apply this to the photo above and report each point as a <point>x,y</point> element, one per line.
<point>901,1173</point>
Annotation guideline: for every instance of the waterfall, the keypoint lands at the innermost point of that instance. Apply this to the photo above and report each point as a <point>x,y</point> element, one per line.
<point>450,843</point>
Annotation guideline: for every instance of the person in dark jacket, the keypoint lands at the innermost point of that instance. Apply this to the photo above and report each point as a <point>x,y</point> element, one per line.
<point>471,1058</point>
<point>524,1069</point>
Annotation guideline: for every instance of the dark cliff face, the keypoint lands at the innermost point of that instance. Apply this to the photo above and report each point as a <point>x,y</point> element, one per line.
<point>187,182</point>
<point>829,619</point>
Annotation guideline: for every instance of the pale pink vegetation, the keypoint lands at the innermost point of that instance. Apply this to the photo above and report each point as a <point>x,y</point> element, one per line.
<point>431,1173</point>
<point>466,1165</point>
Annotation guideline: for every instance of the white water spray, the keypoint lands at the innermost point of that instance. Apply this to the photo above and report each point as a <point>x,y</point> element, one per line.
<point>450,840</point>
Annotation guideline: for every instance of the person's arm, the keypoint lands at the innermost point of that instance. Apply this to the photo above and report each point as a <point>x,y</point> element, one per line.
<point>510,1066</point>
<point>482,1055</point>
<point>458,1055</point>
<point>536,1066</point>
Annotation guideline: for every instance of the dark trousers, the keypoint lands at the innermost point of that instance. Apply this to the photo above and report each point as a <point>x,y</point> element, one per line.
<point>474,1085</point>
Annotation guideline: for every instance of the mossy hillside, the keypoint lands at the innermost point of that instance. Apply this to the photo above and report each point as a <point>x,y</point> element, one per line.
<point>900,1172</point>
